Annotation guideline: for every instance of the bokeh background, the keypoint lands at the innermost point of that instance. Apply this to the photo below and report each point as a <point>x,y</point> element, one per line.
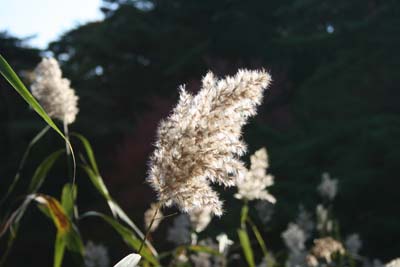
<point>334,105</point>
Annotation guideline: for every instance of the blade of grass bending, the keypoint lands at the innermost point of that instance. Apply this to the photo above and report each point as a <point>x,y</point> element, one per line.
<point>245,243</point>
<point>258,237</point>
<point>67,234</point>
<point>8,73</point>
<point>42,171</point>
<point>22,163</point>
<point>67,202</point>
<point>127,235</point>
<point>92,171</point>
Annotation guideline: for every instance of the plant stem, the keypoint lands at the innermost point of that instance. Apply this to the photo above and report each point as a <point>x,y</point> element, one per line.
<point>149,228</point>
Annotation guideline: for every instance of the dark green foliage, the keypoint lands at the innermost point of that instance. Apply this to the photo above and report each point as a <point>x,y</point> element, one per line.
<point>333,106</point>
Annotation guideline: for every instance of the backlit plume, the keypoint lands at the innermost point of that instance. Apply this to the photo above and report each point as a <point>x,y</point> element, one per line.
<point>200,142</point>
<point>54,92</point>
<point>256,180</point>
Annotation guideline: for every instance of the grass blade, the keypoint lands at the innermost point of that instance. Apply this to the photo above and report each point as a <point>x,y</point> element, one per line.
<point>127,235</point>
<point>22,163</point>
<point>68,199</point>
<point>247,250</point>
<point>42,171</point>
<point>13,79</point>
<point>94,175</point>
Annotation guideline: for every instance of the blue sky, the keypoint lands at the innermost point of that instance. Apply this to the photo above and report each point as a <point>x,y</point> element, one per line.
<point>47,19</point>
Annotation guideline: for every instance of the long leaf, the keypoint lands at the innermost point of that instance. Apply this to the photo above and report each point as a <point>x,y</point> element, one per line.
<point>13,79</point>
<point>67,234</point>
<point>258,235</point>
<point>68,199</point>
<point>59,250</point>
<point>22,163</point>
<point>127,235</point>
<point>42,171</point>
<point>95,177</point>
<point>245,243</point>
<point>89,151</point>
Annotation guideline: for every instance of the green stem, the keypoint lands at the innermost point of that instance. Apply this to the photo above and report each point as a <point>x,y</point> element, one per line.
<point>259,238</point>
<point>149,228</point>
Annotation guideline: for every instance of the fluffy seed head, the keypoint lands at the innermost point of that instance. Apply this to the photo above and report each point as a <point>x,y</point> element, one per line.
<point>54,92</point>
<point>294,238</point>
<point>328,187</point>
<point>200,218</point>
<point>254,184</point>
<point>200,142</point>
<point>325,248</point>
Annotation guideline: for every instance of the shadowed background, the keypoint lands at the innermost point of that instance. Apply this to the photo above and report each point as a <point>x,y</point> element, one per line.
<point>333,105</point>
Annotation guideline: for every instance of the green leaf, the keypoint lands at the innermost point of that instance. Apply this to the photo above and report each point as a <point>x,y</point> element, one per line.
<point>258,237</point>
<point>247,250</point>
<point>68,197</point>
<point>13,79</point>
<point>95,177</point>
<point>97,181</point>
<point>9,74</point>
<point>89,152</point>
<point>243,215</point>
<point>42,171</point>
<point>67,234</point>
<point>59,249</point>
<point>127,235</point>
<point>22,163</point>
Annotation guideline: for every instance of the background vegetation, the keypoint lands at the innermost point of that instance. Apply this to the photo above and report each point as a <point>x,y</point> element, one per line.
<point>333,105</point>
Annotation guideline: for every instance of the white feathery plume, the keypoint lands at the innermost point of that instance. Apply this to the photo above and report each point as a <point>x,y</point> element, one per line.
<point>328,187</point>
<point>54,92</point>
<point>200,142</point>
<point>254,184</point>
<point>393,263</point>
<point>325,248</point>
<point>294,238</point>
<point>200,218</point>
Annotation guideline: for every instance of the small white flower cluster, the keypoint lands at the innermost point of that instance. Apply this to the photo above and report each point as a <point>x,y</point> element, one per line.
<point>328,187</point>
<point>294,238</point>
<point>200,218</point>
<point>54,92</point>
<point>96,255</point>
<point>393,263</point>
<point>353,244</point>
<point>254,184</point>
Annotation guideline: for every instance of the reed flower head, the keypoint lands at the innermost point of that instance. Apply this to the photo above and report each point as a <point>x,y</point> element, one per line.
<point>393,263</point>
<point>54,92</point>
<point>200,218</point>
<point>148,217</point>
<point>223,242</point>
<point>328,187</point>
<point>325,248</point>
<point>254,184</point>
<point>305,222</point>
<point>353,244</point>
<point>294,238</point>
<point>200,142</point>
